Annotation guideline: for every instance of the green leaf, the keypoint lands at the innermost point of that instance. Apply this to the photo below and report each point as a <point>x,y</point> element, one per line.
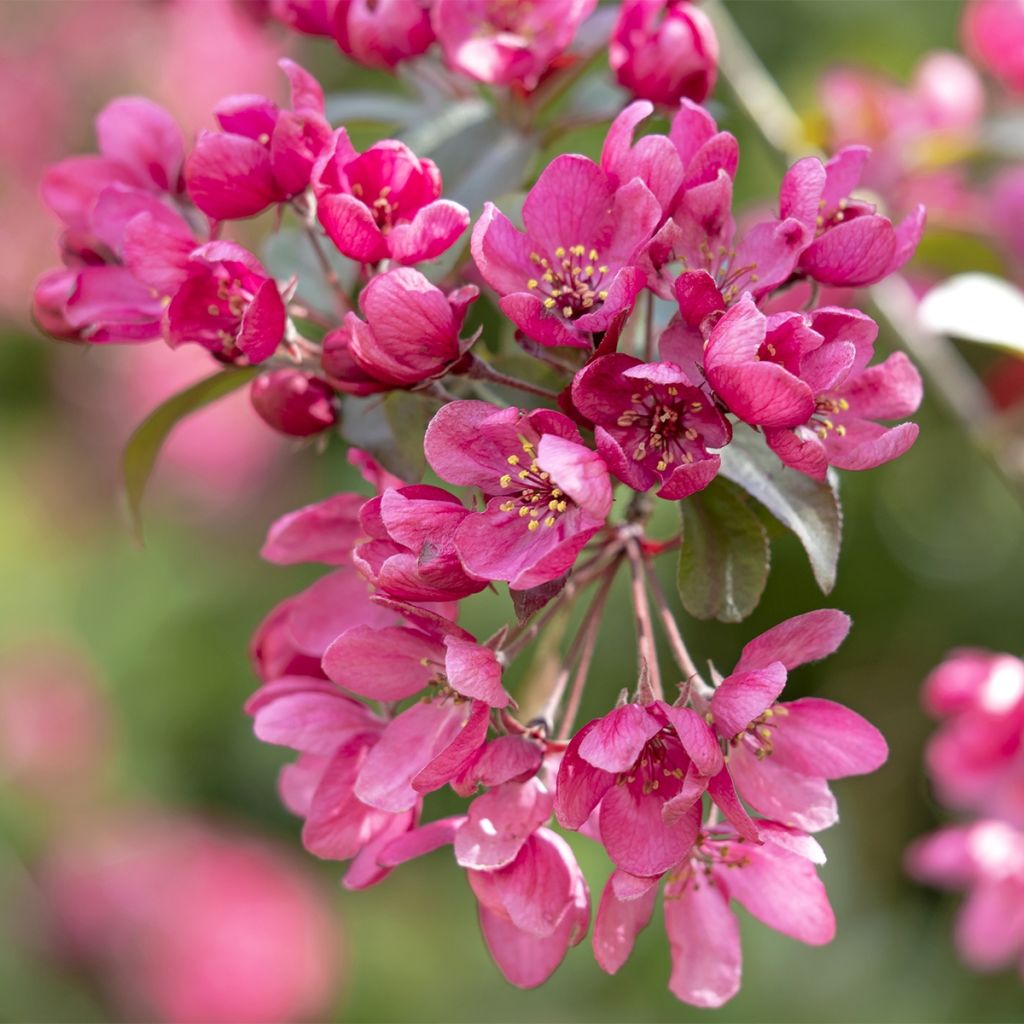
<point>140,454</point>
<point>290,252</point>
<point>809,508</point>
<point>391,429</point>
<point>391,110</point>
<point>725,555</point>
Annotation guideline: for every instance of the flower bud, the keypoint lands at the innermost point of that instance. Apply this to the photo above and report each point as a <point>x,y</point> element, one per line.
<point>293,402</point>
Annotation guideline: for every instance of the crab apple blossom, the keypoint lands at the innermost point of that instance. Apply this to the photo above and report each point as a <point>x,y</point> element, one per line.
<point>574,267</point>
<point>503,43</point>
<point>310,17</point>
<point>653,426</point>
<point>294,403</point>
<point>776,882</point>
<point>410,334</point>
<point>664,51</point>
<point>547,493</point>
<point>382,33</point>
<point>263,155</point>
<point>384,203</point>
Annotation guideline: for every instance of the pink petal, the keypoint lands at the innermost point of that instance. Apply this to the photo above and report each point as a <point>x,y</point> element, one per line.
<point>721,790</point>
<point>527,312</point>
<point>690,478</point>
<point>618,924</point>
<point>323,532</point>
<point>578,471</point>
<point>453,757</point>
<point>819,737</point>
<point>229,176</point>
<point>800,801</point>
<point>697,738</point>
<point>366,869</point>
<point>351,227</point>
<point>504,759</point>
<point>799,449</point>
<point>262,323</point>
<point>143,136</point>
<point>311,720</point>
<point>433,230</point>
<point>886,391</point>
<point>501,252</point>
<point>617,740</point>
<point>764,394</point>
<point>580,786</point>
<point>743,696</point>
<point>569,205</point>
<point>796,641</point>
<point>856,252</point>
<point>474,671</point>
<point>499,823</point>
<point>866,445</point>
<point>383,664</point>
<point>420,841</point>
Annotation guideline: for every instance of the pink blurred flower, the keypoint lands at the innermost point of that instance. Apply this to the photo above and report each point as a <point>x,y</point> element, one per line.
<point>987,859</point>
<point>547,494</point>
<point>384,203</point>
<point>664,50</point>
<point>993,33</point>
<point>575,269</point>
<point>293,402</point>
<point>184,922</point>
<point>310,17</point>
<point>383,33</point>
<point>503,43</point>
<point>1006,211</point>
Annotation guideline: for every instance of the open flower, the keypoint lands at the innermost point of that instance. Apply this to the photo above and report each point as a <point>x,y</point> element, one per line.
<point>575,267</point>
<point>384,203</point>
<point>652,425</point>
<point>547,493</point>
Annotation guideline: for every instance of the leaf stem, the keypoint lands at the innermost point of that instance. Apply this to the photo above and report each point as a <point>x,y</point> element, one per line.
<point>484,371</point>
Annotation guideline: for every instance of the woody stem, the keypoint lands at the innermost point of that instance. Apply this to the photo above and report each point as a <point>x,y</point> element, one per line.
<point>484,371</point>
<point>670,626</point>
<point>647,650</point>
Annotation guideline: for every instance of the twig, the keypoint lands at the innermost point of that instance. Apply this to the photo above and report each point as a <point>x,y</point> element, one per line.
<point>670,626</point>
<point>647,650</point>
<point>480,370</point>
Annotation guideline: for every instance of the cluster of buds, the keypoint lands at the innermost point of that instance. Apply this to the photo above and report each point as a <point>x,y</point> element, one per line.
<point>976,764</point>
<point>713,785</point>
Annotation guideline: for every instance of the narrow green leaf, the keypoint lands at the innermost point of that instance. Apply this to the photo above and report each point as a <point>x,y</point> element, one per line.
<point>391,429</point>
<point>140,454</point>
<point>725,555</point>
<point>809,508</point>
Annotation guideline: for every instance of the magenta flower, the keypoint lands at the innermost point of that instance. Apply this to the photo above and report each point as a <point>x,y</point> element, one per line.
<point>993,34</point>
<point>384,203</point>
<point>652,425</point>
<point>411,551</point>
<point>987,859</point>
<point>664,51</point>
<point>310,17</point>
<point>775,882</point>
<point>781,756</point>
<point>976,758</point>
<point>409,337</point>
<point>382,33</point>
<point>628,766</point>
<point>851,244</point>
<point>547,494</point>
<point>263,155</point>
<point>293,402</point>
<point>227,304</point>
<point>805,380</point>
<point>575,269</point>
<point>500,43</point>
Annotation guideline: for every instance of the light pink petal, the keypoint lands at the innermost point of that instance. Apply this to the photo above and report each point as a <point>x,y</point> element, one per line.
<point>886,391</point>
<point>637,838</point>
<point>818,737</point>
<point>383,664</point>
<point>499,823</point>
<point>990,926</point>
<point>569,205</point>
<point>338,824</point>
<point>143,136</point>
<point>420,841</point>
<point>336,602</point>
<point>800,449</point>
<point>580,786</point>
<point>736,337</point>
<point>800,801</point>
<point>796,641</point>
<point>742,696</point>
<point>323,532</point>
<point>474,671</point>
<point>229,176</point>
<point>616,740</point>
<point>504,759</point>
<point>525,960</point>
<point>722,791</point>
<point>311,720</point>
<point>351,227</point>
<point>697,738</point>
<point>262,323</point>
<point>857,252</point>
<point>435,229</point>
<point>501,252</point>
<point>366,869</point>
<point>578,471</point>
<point>866,445</point>
<point>764,394</point>
<point>618,923</point>
<point>453,757</point>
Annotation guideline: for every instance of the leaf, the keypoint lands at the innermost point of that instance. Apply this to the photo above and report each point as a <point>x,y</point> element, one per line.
<point>724,559</point>
<point>391,429</point>
<point>140,454</point>
<point>976,307</point>
<point>809,508</point>
<point>391,110</point>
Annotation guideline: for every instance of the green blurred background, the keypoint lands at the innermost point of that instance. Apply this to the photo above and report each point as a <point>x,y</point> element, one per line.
<point>932,559</point>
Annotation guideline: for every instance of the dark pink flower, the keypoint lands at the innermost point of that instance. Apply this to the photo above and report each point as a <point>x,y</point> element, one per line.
<point>503,43</point>
<point>410,554</point>
<point>628,766</point>
<point>547,493</point>
<point>664,51</point>
<point>227,304</point>
<point>382,33</point>
<point>310,17</point>
<point>576,266</point>
<point>384,203</point>
<point>264,155</point>
<point>293,402</point>
<point>781,756</point>
<point>652,425</point>
<point>976,758</point>
<point>987,859</point>
<point>993,33</point>
<point>851,245</point>
<point>409,337</point>
<point>805,380</point>
<point>776,882</point>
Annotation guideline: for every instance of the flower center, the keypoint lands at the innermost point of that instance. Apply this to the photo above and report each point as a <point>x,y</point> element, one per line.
<point>758,734</point>
<point>825,409</point>
<point>383,208</point>
<point>571,282</point>
<point>536,499</point>
<point>660,415</point>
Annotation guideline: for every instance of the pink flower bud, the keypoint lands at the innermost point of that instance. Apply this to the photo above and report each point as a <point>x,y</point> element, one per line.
<point>293,402</point>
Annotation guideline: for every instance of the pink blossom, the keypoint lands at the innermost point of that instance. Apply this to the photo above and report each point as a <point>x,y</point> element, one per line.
<point>976,758</point>
<point>263,155</point>
<point>409,337</point>
<point>383,33</point>
<point>852,245</point>
<point>293,402</point>
<point>805,380</point>
<point>575,269</point>
<point>227,304</point>
<point>993,33</point>
<point>1006,210</point>
<point>664,50</point>
<point>384,203</point>
<point>652,425</point>
<point>547,494</point>
<point>500,43</point>
<point>310,17</point>
<point>780,755</point>
<point>776,882</point>
<point>987,859</point>
<point>630,766</point>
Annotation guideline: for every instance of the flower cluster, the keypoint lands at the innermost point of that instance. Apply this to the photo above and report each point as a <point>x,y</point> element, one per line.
<point>976,764</point>
<point>631,287</point>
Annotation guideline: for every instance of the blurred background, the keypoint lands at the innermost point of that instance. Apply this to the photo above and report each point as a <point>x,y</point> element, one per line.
<point>147,869</point>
